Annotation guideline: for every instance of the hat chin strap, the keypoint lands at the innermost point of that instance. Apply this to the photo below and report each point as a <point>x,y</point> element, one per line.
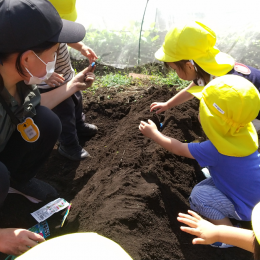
<point>192,62</point>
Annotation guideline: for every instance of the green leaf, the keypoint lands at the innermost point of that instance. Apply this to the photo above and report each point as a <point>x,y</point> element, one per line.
<point>155,38</point>
<point>146,34</point>
<point>152,25</point>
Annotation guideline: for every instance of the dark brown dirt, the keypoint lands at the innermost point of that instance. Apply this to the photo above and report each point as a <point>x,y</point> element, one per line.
<point>131,190</point>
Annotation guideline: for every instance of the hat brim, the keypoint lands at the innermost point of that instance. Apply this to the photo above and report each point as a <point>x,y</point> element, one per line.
<point>162,56</point>
<point>99,247</point>
<point>218,65</point>
<point>256,222</point>
<point>71,32</point>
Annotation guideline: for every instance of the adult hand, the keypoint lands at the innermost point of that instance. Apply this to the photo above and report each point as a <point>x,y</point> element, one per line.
<point>149,130</point>
<point>55,80</point>
<point>160,107</point>
<point>84,79</point>
<point>206,232</point>
<point>89,53</point>
<point>17,241</point>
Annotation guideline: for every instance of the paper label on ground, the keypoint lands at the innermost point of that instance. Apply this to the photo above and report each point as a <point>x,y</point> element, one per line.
<point>49,209</point>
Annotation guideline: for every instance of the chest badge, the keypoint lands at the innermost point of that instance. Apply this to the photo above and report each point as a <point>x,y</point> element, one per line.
<point>29,130</point>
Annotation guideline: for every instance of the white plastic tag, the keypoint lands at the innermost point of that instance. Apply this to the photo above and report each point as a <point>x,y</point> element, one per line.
<point>30,132</point>
<point>218,108</point>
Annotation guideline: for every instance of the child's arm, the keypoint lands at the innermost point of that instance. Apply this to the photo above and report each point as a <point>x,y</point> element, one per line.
<point>86,51</point>
<point>55,80</point>
<point>150,130</point>
<point>176,100</point>
<point>81,81</point>
<point>208,233</point>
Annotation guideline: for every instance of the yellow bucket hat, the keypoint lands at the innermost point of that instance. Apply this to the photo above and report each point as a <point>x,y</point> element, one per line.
<point>256,222</point>
<point>89,246</point>
<point>228,104</point>
<point>66,9</point>
<point>195,41</point>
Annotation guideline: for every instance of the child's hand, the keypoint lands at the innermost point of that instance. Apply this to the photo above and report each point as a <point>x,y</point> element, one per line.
<point>149,130</point>
<point>160,107</point>
<point>206,232</point>
<point>55,80</point>
<point>89,53</point>
<point>84,79</point>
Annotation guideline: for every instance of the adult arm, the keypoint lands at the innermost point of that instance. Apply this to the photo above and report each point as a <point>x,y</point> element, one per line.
<point>176,100</point>
<point>81,81</point>
<point>17,241</point>
<point>172,145</point>
<point>208,233</point>
<point>84,50</point>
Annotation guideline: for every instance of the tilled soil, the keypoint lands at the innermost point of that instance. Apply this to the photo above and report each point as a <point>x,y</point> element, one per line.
<point>131,190</point>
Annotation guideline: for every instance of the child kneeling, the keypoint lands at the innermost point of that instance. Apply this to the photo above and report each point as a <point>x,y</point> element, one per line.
<point>228,104</point>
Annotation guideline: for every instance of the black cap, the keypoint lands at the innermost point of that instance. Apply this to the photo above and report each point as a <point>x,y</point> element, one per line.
<point>27,23</point>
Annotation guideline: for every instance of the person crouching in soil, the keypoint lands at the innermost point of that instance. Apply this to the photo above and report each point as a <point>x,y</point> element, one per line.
<point>30,35</point>
<point>70,111</point>
<point>228,104</point>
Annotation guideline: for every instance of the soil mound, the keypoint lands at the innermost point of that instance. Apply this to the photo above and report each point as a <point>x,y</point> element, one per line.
<point>131,190</point>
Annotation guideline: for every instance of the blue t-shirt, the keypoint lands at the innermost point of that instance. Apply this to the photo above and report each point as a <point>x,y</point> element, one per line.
<point>236,177</point>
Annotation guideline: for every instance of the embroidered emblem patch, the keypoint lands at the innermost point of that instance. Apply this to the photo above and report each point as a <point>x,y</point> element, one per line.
<point>239,67</point>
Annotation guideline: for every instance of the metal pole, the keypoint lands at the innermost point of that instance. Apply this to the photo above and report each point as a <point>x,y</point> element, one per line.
<point>138,61</point>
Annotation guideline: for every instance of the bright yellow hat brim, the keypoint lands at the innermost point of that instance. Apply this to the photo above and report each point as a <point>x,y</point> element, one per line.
<point>256,221</point>
<point>162,56</point>
<point>218,64</point>
<point>89,246</point>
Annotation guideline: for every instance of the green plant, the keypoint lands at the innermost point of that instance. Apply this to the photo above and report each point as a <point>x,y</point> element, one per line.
<point>113,80</point>
<point>122,47</point>
<point>171,79</point>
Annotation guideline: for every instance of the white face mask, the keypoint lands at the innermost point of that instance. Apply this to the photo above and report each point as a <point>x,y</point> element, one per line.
<point>50,67</point>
